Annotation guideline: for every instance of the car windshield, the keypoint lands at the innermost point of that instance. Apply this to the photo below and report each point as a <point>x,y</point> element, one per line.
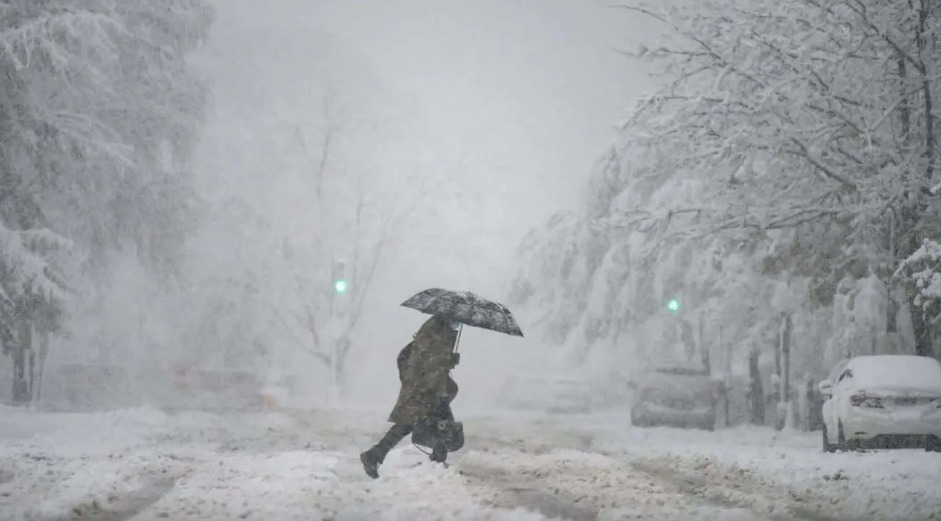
<point>899,372</point>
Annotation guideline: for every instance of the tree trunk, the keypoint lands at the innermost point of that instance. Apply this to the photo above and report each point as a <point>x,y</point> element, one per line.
<point>787,356</point>
<point>784,397</point>
<point>23,363</point>
<point>923,343</point>
<point>727,401</point>
<point>332,397</point>
<point>20,384</point>
<point>337,368</point>
<point>776,398</point>
<point>778,353</point>
<point>686,336</point>
<point>726,352</point>
<point>929,152</point>
<point>703,348</point>
<point>31,361</point>
<point>905,109</point>
<point>804,404</point>
<point>43,352</point>
<point>756,395</point>
<point>892,309</point>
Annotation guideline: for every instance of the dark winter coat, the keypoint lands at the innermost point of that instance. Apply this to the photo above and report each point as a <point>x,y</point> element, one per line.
<point>424,367</point>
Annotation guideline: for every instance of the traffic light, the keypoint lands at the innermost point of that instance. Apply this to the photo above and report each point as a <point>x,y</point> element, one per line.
<point>673,305</point>
<point>341,284</point>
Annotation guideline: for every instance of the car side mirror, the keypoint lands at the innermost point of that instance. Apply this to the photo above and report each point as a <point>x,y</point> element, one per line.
<point>826,387</point>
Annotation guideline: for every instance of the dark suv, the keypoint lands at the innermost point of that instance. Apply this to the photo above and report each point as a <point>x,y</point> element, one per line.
<point>675,396</point>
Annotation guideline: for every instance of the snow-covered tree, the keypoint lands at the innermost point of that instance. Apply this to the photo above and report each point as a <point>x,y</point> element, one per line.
<point>798,115</point>
<point>99,116</point>
<point>921,275</point>
<point>110,118</point>
<point>778,177</point>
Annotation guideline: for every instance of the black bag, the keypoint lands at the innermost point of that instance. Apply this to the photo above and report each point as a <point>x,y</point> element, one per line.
<point>429,432</point>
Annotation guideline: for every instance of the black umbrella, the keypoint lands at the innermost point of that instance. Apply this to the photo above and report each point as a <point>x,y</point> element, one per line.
<point>466,308</point>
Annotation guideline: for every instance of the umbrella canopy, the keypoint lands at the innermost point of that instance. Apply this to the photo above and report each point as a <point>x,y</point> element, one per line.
<point>467,308</point>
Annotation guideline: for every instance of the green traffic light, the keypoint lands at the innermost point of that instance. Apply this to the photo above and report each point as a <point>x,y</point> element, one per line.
<point>341,286</point>
<point>673,305</point>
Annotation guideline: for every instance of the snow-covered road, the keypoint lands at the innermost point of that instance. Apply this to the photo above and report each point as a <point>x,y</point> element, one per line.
<point>147,464</point>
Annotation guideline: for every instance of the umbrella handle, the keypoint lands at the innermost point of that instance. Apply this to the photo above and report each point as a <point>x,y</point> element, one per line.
<point>457,341</point>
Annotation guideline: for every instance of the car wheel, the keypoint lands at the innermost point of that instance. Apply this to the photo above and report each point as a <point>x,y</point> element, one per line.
<point>842,444</point>
<point>827,446</point>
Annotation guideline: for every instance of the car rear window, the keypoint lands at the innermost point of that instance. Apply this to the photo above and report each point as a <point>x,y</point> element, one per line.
<point>900,371</point>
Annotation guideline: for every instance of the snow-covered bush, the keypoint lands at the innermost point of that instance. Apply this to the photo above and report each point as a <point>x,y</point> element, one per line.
<point>921,274</point>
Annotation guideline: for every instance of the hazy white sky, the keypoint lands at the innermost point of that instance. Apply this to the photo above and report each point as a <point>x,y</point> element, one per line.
<point>524,90</point>
<point>520,94</point>
<point>511,101</point>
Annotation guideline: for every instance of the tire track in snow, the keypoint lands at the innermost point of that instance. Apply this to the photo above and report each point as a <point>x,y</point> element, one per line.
<point>587,487</point>
<point>510,492</point>
<point>121,508</point>
<point>734,492</point>
<point>714,487</point>
<point>558,473</point>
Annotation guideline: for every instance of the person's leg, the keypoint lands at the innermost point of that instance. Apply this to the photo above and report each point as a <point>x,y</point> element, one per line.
<point>374,457</point>
<point>392,438</point>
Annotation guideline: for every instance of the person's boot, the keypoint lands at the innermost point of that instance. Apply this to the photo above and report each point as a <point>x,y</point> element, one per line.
<point>439,454</point>
<point>370,463</point>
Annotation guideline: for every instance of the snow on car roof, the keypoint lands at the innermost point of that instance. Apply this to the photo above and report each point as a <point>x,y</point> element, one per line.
<point>897,371</point>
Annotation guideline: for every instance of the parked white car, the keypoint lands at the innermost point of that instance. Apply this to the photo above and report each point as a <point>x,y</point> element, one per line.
<point>882,398</point>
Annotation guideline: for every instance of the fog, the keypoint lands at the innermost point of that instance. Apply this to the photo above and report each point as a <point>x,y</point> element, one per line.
<point>706,218</point>
<point>232,171</point>
<point>497,109</point>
